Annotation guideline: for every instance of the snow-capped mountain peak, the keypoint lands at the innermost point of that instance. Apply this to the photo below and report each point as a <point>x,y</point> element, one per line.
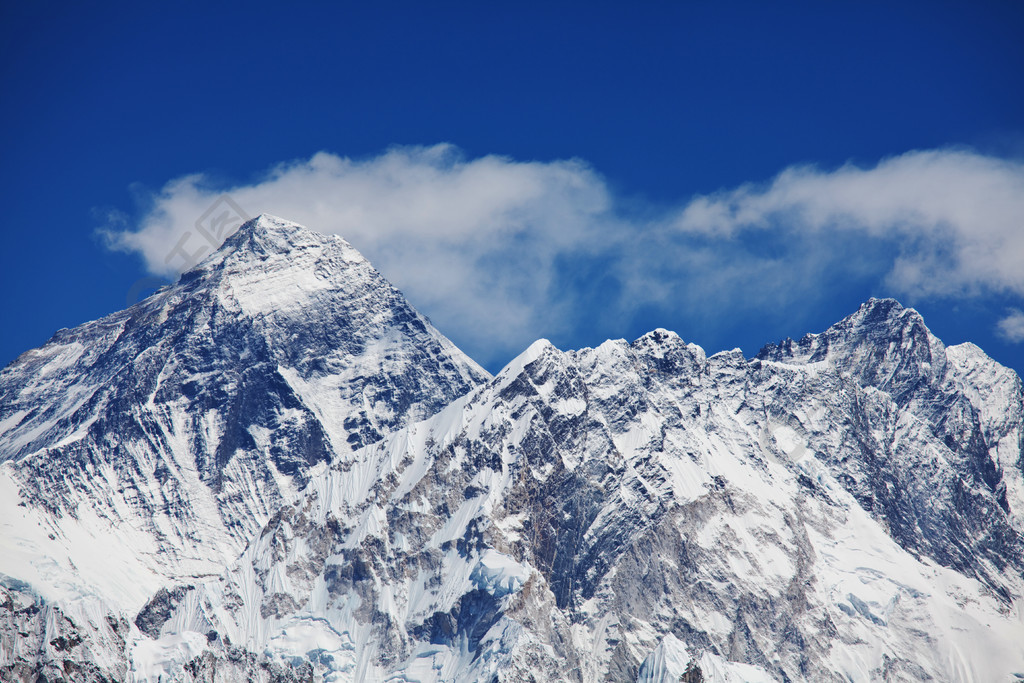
<point>649,508</point>
<point>882,343</point>
<point>146,448</point>
<point>277,470</point>
<point>269,242</point>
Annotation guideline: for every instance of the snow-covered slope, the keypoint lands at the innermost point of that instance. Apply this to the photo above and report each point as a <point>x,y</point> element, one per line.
<point>145,449</point>
<point>276,470</point>
<point>837,509</point>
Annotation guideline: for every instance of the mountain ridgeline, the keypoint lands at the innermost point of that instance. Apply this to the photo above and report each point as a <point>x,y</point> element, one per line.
<point>277,470</point>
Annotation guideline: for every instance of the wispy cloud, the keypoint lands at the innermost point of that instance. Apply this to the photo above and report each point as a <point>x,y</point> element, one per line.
<point>1011,328</point>
<point>500,251</point>
<point>473,242</point>
<point>956,217</point>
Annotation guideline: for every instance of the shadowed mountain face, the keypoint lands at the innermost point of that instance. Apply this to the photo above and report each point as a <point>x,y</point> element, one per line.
<point>239,487</point>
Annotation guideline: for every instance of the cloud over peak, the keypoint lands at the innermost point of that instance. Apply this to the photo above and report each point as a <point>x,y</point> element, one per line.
<point>500,252</point>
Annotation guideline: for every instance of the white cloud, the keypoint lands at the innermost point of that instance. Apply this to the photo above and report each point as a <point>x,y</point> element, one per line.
<point>956,217</point>
<point>482,245</point>
<point>1011,328</point>
<point>473,242</point>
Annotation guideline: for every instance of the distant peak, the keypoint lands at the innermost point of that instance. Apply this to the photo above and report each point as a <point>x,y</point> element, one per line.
<point>885,312</point>
<point>534,351</point>
<point>665,351</point>
<point>269,243</point>
<point>885,306</point>
<point>267,226</point>
<point>658,336</point>
<point>659,342</point>
<point>882,315</point>
<point>539,349</point>
<point>883,343</point>
<point>267,235</point>
<point>266,222</point>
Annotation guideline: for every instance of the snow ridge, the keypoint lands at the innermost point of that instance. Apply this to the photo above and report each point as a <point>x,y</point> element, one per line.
<point>277,470</point>
<point>622,511</point>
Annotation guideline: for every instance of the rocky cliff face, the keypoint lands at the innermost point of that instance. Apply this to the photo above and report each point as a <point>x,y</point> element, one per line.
<point>834,509</point>
<point>145,449</point>
<point>277,471</point>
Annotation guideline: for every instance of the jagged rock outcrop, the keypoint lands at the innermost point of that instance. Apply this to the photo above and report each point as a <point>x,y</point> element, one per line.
<point>833,509</point>
<point>276,470</point>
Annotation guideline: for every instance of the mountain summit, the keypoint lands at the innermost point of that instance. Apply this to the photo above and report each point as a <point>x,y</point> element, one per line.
<point>146,448</point>
<point>276,470</point>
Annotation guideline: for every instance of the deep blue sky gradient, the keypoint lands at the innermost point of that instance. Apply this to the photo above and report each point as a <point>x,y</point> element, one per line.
<point>666,100</point>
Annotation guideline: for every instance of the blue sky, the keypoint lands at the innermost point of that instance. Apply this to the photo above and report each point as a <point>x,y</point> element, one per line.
<point>737,172</point>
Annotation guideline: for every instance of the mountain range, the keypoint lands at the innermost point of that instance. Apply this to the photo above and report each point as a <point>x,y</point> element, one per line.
<point>277,470</point>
